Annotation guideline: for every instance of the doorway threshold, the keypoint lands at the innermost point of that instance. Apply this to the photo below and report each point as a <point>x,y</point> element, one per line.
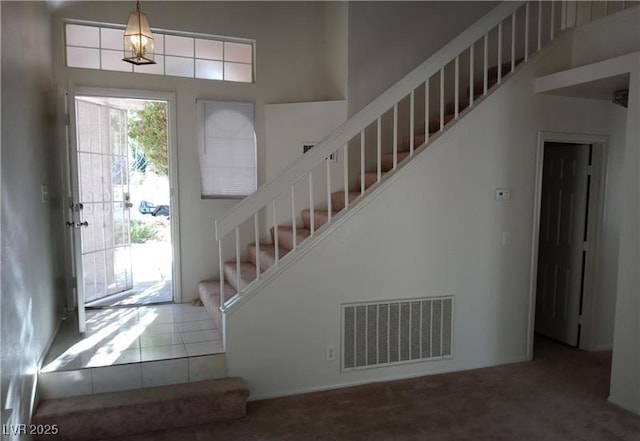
<point>133,347</point>
<point>144,293</point>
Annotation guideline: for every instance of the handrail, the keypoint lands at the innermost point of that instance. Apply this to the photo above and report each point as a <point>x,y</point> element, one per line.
<point>343,134</point>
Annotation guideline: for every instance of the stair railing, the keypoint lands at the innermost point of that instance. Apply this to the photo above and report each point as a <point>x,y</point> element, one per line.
<point>529,27</point>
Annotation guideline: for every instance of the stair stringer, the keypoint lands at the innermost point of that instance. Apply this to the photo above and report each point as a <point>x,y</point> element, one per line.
<point>278,340</point>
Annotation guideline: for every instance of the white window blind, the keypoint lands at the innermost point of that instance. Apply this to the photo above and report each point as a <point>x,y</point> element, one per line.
<point>227,149</point>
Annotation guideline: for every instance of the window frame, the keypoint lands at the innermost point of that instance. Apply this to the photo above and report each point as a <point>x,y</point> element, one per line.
<point>200,109</point>
<point>163,33</point>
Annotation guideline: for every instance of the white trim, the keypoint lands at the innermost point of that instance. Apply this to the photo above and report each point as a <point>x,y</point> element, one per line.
<point>436,371</point>
<point>170,98</point>
<point>596,206</point>
<point>626,406</point>
<point>584,74</point>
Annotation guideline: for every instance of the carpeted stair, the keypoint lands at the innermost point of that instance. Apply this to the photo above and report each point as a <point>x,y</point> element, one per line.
<point>210,290</point>
<point>117,414</point>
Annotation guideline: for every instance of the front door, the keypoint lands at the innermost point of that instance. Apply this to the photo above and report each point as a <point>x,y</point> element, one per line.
<point>100,181</point>
<point>561,251</point>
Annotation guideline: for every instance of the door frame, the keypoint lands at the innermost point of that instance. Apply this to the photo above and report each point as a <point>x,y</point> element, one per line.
<point>170,98</point>
<point>596,213</point>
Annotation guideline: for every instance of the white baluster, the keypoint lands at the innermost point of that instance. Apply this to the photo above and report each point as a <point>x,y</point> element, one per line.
<point>553,20</point>
<point>395,135</point>
<point>526,30</point>
<point>293,216</point>
<point>379,140</point>
<point>486,63</point>
<point>513,42</point>
<point>472,55</point>
<point>221,269</point>
<point>441,98</point>
<point>238,259</point>
<point>539,25</point>
<point>412,111</point>
<point>456,88</point>
<point>328,168</point>
<point>256,228</point>
<point>276,239</point>
<point>500,53</point>
<point>426,111</point>
<point>312,223</point>
<point>362,172</point>
<point>346,175</point>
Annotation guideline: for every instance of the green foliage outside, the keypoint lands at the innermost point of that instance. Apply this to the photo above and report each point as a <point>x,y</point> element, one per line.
<point>148,130</point>
<point>143,231</point>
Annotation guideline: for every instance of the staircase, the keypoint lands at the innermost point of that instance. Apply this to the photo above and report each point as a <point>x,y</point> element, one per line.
<point>378,140</point>
<point>260,257</point>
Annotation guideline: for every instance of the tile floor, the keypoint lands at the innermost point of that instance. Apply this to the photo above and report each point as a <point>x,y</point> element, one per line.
<point>132,335</point>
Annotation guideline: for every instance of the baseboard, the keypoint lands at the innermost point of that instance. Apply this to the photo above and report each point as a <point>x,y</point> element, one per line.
<point>626,406</point>
<point>597,348</point>
<point>441,371</point>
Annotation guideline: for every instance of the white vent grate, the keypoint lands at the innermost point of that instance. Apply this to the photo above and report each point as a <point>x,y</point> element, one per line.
<point>394,332</point>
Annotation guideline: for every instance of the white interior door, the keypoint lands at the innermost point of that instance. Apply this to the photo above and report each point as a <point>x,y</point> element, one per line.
<point>101,201</point>
<point>561,253</point>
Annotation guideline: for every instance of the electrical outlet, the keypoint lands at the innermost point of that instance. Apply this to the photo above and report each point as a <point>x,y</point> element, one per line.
<point>331,353</point>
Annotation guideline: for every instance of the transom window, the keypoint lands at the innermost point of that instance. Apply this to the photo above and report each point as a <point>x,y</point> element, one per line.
<point>93,46</point>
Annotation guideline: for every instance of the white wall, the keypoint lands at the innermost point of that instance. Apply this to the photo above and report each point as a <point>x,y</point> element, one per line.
<point>625,381</point>
<point>615,35</point>
<point>388,39</point>
<point>290,67</point>
<point>435,231</point>
<point>31,299</point>
<point>288,127</point>
<point>604,301</point>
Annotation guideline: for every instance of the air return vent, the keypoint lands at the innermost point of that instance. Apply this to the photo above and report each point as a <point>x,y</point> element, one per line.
<point>394,332</point>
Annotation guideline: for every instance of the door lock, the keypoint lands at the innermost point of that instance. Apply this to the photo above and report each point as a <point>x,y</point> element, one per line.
<point>76,224</point>
<point>76,206</point>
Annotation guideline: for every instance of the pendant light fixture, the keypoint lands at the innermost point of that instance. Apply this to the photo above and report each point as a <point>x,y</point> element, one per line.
<point>138,39</point>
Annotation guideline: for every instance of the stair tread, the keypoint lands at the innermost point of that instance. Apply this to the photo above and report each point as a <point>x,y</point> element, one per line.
<point>209,293</point>
<point>299,231</point>
<point>248,273</point>
<point>267,254</point>
<point>109,415</point>
<point>85,403</point>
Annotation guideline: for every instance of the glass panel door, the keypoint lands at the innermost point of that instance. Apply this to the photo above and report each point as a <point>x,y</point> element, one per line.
<point>103,197</point>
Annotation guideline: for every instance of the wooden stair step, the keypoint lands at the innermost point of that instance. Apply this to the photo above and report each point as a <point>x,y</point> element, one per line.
<point>338,199</point>
<point>321,217</point>
<point>119,414</point>
<point>267,254</point>
<point>285,236</point>
<point>247,274</point>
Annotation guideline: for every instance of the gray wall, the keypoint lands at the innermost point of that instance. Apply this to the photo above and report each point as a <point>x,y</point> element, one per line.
<point>389,39</point>
<point>31,303</point>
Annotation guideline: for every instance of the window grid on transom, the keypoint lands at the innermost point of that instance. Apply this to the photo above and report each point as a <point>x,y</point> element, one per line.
<point>99,46</point>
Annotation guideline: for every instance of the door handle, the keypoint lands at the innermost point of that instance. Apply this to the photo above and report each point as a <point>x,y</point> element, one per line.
<point>76,224</point>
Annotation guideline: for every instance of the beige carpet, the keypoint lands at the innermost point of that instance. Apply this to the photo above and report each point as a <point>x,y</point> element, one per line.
<point>560,396</point>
